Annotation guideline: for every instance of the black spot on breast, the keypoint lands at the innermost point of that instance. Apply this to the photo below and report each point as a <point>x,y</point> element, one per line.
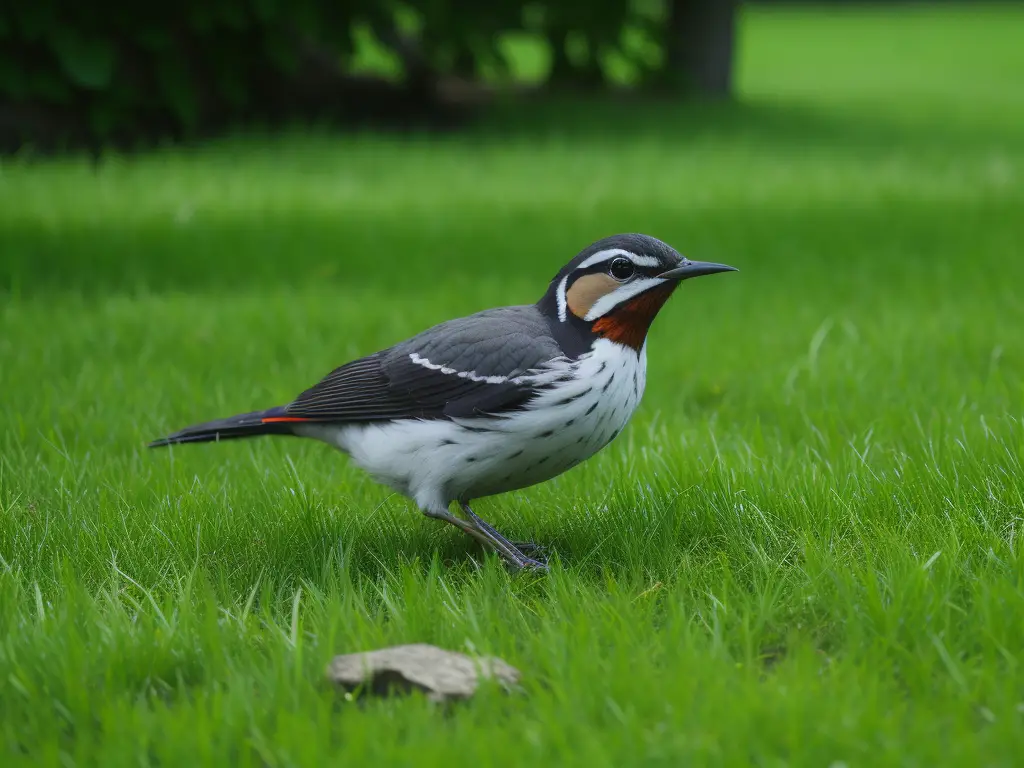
<point>608,383</point>
<point>604,365</point>
<point>447,441</point>
<point>570,422</point>
<point>517,453</point>
<point>570,398</point>
<point>546,433</point>
<point>476,429</point>
<point>590,410</point>
<point>577,396</point>
<point>584,437</point>
<point>614,435</point>
<point>470,459</point>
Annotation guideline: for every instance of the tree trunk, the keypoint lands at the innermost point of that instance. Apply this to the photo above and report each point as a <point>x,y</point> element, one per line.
<point>561,68</point>
<point>700,42</point>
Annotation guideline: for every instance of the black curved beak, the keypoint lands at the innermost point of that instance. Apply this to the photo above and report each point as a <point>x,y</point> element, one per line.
<point>689,269</point>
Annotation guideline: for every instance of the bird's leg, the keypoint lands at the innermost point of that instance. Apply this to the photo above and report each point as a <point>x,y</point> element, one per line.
<point>513,552</point>
<point>440,514</point>
<point>525,547</point>
<point>493,540</point>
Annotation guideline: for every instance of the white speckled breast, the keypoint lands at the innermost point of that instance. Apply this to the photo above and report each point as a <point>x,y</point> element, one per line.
<point>436,462</point>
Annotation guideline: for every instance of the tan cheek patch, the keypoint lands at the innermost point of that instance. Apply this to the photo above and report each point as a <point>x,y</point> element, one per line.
<point>583,294</point>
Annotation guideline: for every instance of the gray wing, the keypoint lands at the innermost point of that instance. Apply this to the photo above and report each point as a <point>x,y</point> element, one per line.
<point>470,366</point>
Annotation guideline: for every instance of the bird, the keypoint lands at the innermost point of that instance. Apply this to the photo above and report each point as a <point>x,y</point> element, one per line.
<point>495,401</point>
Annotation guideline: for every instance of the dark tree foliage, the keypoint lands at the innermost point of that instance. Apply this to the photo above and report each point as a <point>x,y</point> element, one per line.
<point>99,72</point>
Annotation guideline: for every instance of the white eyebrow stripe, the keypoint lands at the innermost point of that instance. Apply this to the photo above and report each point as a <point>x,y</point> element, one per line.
<point>623,293</point>
<point>644,261</point>
<point>560,298</point>
<point>639,259</point>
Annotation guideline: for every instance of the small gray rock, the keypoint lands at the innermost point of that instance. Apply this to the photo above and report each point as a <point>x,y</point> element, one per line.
<point>442,675</point>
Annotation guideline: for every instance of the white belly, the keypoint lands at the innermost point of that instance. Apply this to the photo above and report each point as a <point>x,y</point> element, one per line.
<point>439,461</point>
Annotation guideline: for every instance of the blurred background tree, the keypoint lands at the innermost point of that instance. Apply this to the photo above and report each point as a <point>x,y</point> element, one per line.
<point>73,73</point>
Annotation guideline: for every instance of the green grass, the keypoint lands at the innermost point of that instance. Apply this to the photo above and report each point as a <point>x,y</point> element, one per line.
<point>806,549</point>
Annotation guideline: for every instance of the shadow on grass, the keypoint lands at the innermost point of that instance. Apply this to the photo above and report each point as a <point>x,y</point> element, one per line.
<point>266,244</point>
<point>770,124</point>
<point>779,123</point>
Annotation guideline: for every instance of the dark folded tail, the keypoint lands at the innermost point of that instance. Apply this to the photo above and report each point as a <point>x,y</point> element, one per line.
<point>270,422</point>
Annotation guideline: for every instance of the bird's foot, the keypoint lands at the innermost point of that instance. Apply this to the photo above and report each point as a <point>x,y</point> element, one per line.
<point>532,549</point>
<point>519,559</point>
<point>529,564</point>
<point>516,554</point>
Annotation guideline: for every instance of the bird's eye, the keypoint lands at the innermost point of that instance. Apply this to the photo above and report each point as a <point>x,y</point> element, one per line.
<point>621,269</point>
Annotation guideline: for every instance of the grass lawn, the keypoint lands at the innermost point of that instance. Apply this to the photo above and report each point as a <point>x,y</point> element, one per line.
<point>806,548</point>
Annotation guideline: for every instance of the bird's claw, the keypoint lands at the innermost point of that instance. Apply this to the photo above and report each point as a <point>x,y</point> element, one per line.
<point>529,564</point>
<point>531,548</point>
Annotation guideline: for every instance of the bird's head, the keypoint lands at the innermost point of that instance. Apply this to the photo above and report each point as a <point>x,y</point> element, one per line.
<point>615,287</point>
